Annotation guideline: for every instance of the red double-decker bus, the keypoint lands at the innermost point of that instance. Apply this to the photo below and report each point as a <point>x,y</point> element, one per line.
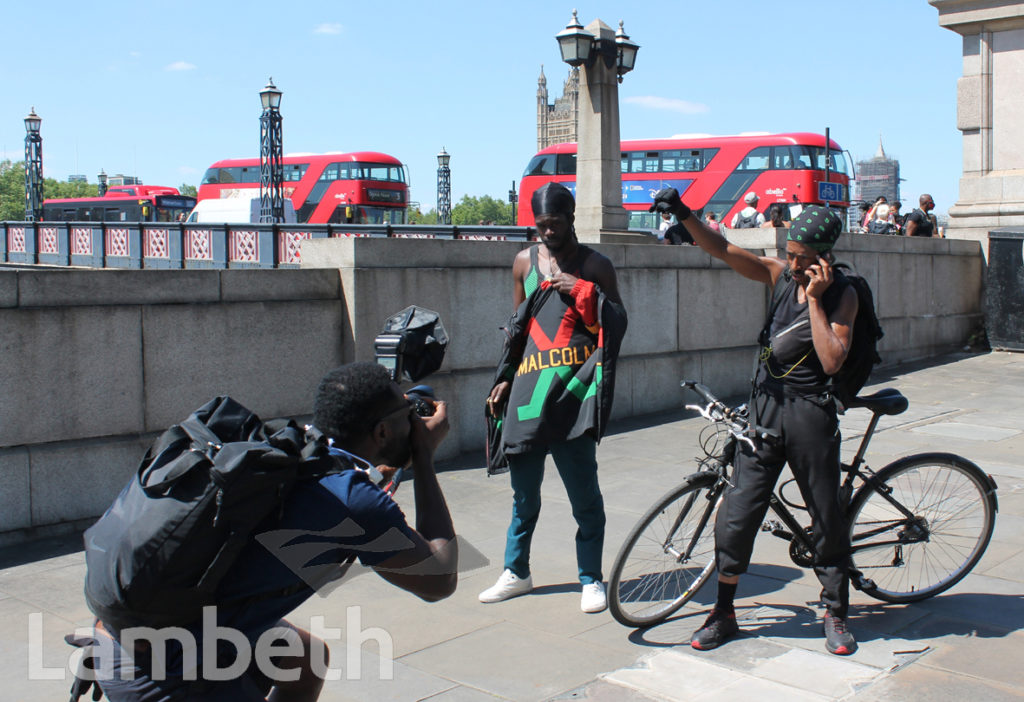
<point>122,203</point>
<point>362,187</point>
<point>711,173</point>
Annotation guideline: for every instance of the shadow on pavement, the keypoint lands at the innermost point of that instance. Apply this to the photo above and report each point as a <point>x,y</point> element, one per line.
<point>40,550</point>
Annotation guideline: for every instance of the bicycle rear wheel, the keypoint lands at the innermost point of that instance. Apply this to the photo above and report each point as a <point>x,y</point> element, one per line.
<point>667,556</point>
<point>954,507</point>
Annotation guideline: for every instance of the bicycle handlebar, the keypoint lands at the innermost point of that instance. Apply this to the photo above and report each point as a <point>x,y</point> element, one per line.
<point>718,411</point>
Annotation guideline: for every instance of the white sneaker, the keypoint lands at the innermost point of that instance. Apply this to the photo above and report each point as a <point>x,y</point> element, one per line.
<point>593,599</point>
<point>509,585</point>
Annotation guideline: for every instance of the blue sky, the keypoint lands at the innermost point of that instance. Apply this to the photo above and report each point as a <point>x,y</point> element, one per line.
<point>163,90</point>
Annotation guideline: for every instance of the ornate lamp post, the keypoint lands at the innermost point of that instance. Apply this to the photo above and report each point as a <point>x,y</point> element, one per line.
<point>444,188</point>
<point>605,57</point>
<point>102,179</point>
<point>271,156</point>
<point>33,167</point>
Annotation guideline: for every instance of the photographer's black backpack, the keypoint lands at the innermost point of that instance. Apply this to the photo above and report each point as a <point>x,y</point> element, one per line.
<point>157,555</point>
<point>863,355</point>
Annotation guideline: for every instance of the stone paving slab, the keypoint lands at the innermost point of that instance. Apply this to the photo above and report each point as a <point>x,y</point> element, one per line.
<point>963,644</point>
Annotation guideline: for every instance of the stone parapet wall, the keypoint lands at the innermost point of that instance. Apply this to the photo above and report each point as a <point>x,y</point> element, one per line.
<point>95,363</point>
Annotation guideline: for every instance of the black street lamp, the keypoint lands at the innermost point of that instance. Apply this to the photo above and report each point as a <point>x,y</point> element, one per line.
<point>513,198</point>
<point>444,188</point>
<point>102,178</point>
<point>271,156</point>
<point>33,167</point>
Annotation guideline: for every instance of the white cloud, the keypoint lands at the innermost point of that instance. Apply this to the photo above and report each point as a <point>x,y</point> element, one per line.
<point>180,66</point>
<point>653,102</point>
<point>328,28</point>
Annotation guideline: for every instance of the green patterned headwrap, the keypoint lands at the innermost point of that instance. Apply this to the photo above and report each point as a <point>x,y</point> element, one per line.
<point>816,226</point>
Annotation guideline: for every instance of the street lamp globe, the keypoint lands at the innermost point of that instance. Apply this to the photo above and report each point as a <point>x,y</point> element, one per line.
<point>627,52</point>
<point>270,96</point>
<point>575,42</point>
<point>32,122</point>
<point>443,158</point>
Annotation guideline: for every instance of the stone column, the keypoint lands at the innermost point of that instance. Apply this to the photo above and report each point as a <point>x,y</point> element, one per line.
<point>990,111</point>
<point>598,160</point>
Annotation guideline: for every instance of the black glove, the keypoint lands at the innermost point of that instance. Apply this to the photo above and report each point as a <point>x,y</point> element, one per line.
<point>667,200</point>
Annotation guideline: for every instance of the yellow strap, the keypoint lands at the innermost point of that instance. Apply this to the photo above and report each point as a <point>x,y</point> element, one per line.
<point>766,353</point>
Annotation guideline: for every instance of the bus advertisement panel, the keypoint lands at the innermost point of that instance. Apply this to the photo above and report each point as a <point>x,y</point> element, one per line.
<point>711,173</point>
<point>362,187</point>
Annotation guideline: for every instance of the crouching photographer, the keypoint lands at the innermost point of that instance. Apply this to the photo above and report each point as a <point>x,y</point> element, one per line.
<point>310,540</point>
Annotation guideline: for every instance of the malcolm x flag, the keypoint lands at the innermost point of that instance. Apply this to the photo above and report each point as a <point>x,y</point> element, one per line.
<point>560,356</point>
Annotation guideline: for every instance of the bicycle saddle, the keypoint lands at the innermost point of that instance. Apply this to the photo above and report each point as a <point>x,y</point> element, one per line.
<point>885,401</point>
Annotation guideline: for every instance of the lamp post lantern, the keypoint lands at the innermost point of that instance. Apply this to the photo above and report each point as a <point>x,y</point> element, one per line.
<point>271,156</point>
<point>604,56</point>
<point>444,188</point>
<point>33,167</point>
<point>102,179</point>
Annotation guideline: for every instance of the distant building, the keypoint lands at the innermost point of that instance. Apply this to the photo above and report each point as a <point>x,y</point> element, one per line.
<point>123,180</point>
<point>77,178</point>
<point>878,177</point>
<point>558,123</point>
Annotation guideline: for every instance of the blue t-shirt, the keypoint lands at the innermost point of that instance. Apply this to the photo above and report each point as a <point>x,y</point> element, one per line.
<point>324,523</point>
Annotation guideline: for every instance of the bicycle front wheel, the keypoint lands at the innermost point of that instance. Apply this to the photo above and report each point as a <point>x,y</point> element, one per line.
<point>910,558</point>
<point>667,556</point>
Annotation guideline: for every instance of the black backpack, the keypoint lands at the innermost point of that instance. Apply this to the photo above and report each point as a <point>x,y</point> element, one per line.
<point>863,355</point>
<point>157,555</point>
<point>878,226</point>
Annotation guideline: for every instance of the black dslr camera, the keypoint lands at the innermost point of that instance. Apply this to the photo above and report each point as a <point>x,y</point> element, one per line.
<point>412,346</point>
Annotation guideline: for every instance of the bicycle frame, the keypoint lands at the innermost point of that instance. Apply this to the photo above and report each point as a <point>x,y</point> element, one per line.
<point>794,531</point>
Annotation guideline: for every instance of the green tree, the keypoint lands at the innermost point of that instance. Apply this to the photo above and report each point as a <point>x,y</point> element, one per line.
<point>186,189</point>
<point>415,216</point>
<point>12,191</point>
<point>474,210</point>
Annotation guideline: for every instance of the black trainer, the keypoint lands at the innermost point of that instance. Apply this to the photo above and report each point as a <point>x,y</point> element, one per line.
<point>838,639</point>
<point>718,628</point>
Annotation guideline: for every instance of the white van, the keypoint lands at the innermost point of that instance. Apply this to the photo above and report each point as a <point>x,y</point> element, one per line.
<point>234,210</point>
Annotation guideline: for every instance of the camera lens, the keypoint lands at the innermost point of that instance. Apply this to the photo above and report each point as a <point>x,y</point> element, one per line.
<point>420,406</point>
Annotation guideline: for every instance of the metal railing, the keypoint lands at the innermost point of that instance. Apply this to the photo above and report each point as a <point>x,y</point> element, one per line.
<point>167,245</point>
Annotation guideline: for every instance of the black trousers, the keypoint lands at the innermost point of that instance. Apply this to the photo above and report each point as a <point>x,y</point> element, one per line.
<point>809,441</point>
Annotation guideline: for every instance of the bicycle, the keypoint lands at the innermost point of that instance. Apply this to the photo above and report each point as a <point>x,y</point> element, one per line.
<point>917,525</point>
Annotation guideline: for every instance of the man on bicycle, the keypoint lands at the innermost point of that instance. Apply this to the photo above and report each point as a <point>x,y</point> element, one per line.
<point>808,341</point>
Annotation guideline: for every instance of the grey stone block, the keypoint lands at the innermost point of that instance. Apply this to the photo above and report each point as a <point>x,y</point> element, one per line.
<point>727,372</point>
<point>718,308</point>
<point>281,284</point>
<point>79,479</point>
<point>665,256</point>
<point>268,356</point>
<point>398,253</point>
<point>15,511</point>
<point>8,288</point>
<point>71,372</point>
<point>647,295</point>
<point>111,287</point>
<point>905,285</point>
<point>958,284</point>
<point>656,379</point>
